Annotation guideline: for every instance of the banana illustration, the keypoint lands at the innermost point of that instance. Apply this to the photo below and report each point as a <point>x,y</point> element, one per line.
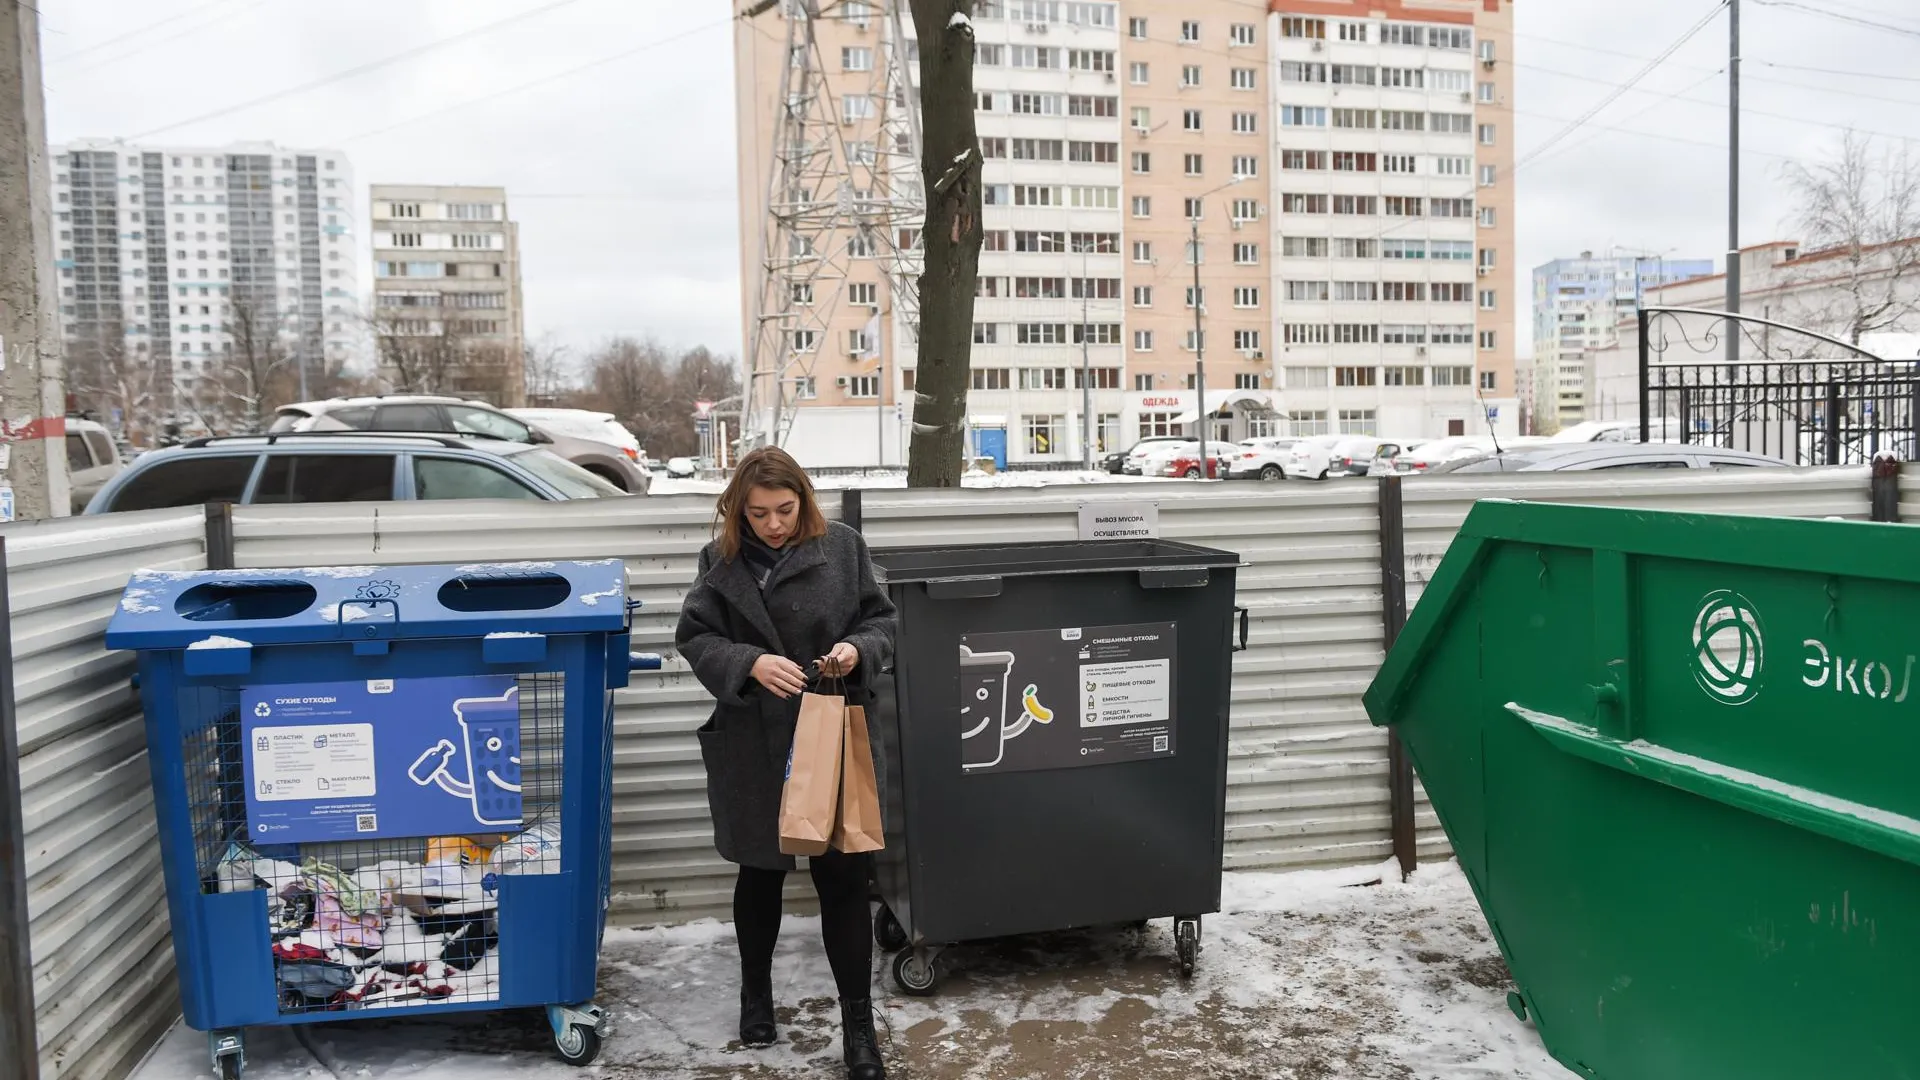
<point>1030,699</point>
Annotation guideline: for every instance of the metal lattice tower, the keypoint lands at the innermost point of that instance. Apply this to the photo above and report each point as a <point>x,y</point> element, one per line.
<point>845,184</point>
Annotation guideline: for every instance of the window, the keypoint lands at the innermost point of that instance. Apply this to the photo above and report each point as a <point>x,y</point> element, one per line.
<point>1143,296</point>
<point>1458,39</point>
<point>1246,340</point>
<point>1189,31</point>
<point>1303,116</point>
<point>1099,105</point>
<point>863,294</point>
<point>1194,338</point>
<point>805,341</point>
<point>1307,290</point>
<point>1034,56</point>
<point>986,333</point>
<point>1356,376</point>
<point>1142,206</point>
<point>1397,33</point>
<point>450,478</point>
<point>1137,29</point>
<point>863,386</point>
<point>1137,73</point>
<point>1403,249</point>
<point>1489,300</point>
<point>1403,376</point>
<point>1488,217</point>
<point>1194,164</point>
<point>1396,334</point>
<point>1486,52</point>
<point>1487,175</point>
<point>860,245</point>
<point>1305,247</point>
<point>1196,252</point>
<point>1040,333</point>
<point>1190,75</point>
<point>1246,209</point>
<point>1450,208</point>
<point>1355,118</point>
<point>1489,381</point>
<point>1346,161</point>
<point>989,55</point>
<point>1489,257</point>
<point>1245,123</point>
<point>1246,254</point>
<point>1488,340</point>
<point>1296,27</point>
<point>192,483</point>
<point>1143,251</point>
<point>856,58</point>
<point>1405,164</point>
<point>317,478</point>
<point>1353,31</point>
<point>1107,430</point>
<point>1246,296</point>
<point>1143,341</point>
<point>1141,118</point>
<point>484,422</point>
<point>1356,334</point>
<point>1303,160</point>
<point>1244,78</point>
<point>1156,425</point>
<point>1142,162</point>
<point>1486,93</point>
<point>1242,34</point>
<point>1486,135</point>
<point>1043,434</point>
<point>1043,378</point>
<point>1451,124</point>
<point>1357,422</point>
<point>1097,60</point>
<point>1190,120</point>
<point>992,379</point>
<point>1403,206</point>
<point>1245,165</point>
<point>1192,293</point>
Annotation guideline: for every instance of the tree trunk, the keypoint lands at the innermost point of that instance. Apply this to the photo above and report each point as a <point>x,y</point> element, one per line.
<point>950,167</point>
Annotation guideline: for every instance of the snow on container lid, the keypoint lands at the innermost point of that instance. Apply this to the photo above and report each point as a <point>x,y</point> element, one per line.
<point>163,609</point>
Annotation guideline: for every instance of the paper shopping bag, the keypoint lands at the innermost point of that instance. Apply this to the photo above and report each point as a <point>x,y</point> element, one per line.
<point>859,828</point>
<point>810,801</point>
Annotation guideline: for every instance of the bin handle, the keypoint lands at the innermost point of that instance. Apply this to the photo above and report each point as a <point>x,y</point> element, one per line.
<point>1244,617</point>
<point>1876,830</point>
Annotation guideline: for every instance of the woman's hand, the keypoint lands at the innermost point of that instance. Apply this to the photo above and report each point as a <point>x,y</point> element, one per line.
<point>781,676</point>
<point>840,662</point>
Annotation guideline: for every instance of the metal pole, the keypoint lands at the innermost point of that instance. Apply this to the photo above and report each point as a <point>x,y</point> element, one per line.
<point>1646,323</point>
<point>19,1044</point>
<point>1733,177</point>
<point>1393,598</point>
<point>1199,354</point>
<point>1086,369</point>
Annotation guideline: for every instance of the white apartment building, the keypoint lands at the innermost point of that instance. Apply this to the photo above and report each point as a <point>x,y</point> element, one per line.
<point>447,313</point>
<point>1386,276</point>
<point>1577,306</point>
<point>157,245</point>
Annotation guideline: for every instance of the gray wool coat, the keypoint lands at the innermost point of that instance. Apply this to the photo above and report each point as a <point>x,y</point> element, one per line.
<point>823,593</point>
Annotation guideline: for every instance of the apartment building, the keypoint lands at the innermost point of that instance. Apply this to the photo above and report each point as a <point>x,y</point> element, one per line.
<point>447,315</point>
<point>162,248</point>
<point>1578,305</point>
<point>1337,173</point>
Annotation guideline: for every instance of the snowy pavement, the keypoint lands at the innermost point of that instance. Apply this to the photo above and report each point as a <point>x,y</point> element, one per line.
<point>1303,977</point>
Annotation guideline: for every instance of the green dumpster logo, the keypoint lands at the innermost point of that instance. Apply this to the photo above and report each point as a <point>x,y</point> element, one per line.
<point>1728,654</point>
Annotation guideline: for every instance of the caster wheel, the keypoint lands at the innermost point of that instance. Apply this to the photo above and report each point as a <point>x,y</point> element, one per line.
<point>887,931</point>
<point>229,1052</point>
<point>915,973</point>
<point>1186,942</point>
<point>230,1068</point>
<point>579,1046</point>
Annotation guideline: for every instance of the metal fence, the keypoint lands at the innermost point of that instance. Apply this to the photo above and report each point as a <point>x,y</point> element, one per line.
<point>1330,570</point>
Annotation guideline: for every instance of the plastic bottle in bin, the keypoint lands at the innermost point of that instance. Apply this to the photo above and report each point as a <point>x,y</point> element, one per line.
<point>534,851</point>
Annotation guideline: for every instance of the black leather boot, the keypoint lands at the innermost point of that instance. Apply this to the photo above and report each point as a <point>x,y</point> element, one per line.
<point>756,1014</point>
<point>862,1048</point>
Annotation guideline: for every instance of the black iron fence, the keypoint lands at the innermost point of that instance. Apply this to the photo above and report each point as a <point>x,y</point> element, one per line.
<point>1794,400</point>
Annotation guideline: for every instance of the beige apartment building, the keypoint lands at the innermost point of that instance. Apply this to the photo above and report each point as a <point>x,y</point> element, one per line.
<point>1346,165</point>
<point>447,315</point>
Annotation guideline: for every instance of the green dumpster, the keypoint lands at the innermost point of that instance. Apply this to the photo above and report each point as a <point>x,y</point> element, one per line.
<point>1678,757</point>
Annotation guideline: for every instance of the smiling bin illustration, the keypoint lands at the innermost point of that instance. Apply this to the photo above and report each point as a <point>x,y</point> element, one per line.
<point>491,729</point>
<point>983,713</point>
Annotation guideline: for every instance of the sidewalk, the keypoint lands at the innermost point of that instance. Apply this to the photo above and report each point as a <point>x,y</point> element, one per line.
<point>1301,978</point>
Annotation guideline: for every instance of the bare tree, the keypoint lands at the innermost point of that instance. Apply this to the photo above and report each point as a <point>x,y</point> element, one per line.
<point>1861,208</point>
<point>549,375</point>
<point>258,367</point>
<point>420,349</point>
<point>106,377</point>
<point>950,166</point>
<point>653,392</point>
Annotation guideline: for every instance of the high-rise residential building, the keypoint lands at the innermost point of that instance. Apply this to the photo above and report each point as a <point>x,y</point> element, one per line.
<point>164,249</point>
<point>1338,174</point>
<point>1578,305</point>
<point>446,308</point>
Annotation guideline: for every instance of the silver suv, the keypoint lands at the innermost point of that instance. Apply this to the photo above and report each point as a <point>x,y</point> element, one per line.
<point>454,416</point>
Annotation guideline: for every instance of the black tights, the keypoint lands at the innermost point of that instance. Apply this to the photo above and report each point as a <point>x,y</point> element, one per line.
<point>841,881</point>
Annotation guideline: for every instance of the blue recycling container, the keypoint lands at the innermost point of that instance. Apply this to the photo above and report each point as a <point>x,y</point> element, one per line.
<point>382,789</point>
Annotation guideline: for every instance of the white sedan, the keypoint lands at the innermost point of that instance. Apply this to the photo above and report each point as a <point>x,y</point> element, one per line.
<point>1262,458</point>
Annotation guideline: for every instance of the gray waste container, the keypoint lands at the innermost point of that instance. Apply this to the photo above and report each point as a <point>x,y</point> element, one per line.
<point>1057,746</point>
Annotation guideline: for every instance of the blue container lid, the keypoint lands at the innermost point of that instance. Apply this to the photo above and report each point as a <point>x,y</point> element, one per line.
<point>168,609</point>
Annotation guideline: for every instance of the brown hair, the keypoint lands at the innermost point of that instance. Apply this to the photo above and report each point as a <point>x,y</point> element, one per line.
<point>767,467</point>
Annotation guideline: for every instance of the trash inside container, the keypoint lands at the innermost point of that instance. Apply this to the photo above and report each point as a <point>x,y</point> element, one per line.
<point>382,789</point>
<point>1674,754</point>
<point>1057,757</point>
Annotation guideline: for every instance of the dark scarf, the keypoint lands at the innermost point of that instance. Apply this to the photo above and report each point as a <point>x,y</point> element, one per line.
<point>761,559</point>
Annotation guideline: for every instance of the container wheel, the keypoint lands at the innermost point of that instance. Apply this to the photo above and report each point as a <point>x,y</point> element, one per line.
<point>1186,943</point>
<point>915,972</point>
<point>887,931</point>
<point>231,1067</point>
<point>579,1045</point>
<point>229,1052</point>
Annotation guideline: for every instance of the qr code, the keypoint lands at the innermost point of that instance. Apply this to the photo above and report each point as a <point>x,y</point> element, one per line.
<point>1159,744</point>
<point>366,823</point>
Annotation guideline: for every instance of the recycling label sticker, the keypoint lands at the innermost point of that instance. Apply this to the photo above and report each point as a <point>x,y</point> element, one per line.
<point>1067,697</point>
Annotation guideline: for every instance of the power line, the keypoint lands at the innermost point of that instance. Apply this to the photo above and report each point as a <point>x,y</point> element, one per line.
<point>1828,13</point>
<point>1655,104</point>
<point>1834,90</point>
<point>1624,87</point>
<point>136,31</point>
<point>544,80</point>
<point>362,69</point>
<point>149,47</point>
<point>1835,71</point>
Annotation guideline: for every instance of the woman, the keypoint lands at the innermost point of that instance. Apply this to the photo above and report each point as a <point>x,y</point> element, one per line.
<point>778,588</point>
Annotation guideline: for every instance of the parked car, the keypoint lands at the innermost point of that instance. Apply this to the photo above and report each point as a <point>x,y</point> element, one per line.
<point>330,467</point>
<point>1659,429</point>
<point>680,468</point>
<point>453,416</point>
<point>1323,456</point>
<point>586,424</point>
<point>1594,456</point>
<point>1130,461</point>
<point>93,459</point>
<point>1161,458</point>
<point>1262,458</point>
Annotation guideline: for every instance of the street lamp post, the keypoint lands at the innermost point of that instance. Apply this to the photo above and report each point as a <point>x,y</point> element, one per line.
<point>1199,336</point>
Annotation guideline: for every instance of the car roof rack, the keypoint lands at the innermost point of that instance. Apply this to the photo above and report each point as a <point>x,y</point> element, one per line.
<point>451,441</point>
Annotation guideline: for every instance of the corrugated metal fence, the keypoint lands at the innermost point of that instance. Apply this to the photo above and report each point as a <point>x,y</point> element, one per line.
<point>1309,778</point>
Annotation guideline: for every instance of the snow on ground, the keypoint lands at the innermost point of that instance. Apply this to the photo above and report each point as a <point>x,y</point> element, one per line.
<point>1303,977</point>
<point>666,485</point>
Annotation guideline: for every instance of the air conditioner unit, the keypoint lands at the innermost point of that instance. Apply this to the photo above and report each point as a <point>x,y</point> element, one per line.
<point>1485,270</point>
<point>1420,350</point>
<point>1109,78</point>
<point>842,381</point>
<point>1466,97</point>
<point>1253,354</point>
<point>1319,46</point>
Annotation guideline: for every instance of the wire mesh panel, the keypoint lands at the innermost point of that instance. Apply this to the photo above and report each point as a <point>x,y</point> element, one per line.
<point>395,920</point>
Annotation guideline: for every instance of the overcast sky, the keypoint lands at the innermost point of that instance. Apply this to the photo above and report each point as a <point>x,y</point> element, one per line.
<point>610,122</point>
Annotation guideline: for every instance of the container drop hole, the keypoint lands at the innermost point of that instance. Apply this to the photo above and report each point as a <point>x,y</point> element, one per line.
<point>244,601</point>
<point>519,592</point>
